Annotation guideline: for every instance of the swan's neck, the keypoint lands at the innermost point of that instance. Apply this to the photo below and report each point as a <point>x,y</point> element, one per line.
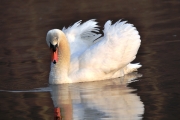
<point>63,55</point>
<point>59,71</point>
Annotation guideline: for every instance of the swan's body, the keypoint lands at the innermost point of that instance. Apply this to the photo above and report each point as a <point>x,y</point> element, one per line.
<point>78,57</point>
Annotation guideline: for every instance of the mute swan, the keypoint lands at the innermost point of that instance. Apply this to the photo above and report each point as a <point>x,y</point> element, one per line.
<point>79,54</point>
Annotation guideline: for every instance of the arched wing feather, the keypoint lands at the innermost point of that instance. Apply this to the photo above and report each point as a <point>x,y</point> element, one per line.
<point>115,50</point>
<point>81,36</point>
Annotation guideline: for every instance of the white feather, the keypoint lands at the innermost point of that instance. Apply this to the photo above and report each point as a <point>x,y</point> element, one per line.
<point>81,36</point>
<point>112,53</point>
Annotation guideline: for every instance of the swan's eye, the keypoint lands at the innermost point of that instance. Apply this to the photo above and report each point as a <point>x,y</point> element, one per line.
<point>53,47</point>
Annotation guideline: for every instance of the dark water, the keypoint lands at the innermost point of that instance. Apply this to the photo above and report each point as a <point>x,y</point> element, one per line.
<point>25,61</point>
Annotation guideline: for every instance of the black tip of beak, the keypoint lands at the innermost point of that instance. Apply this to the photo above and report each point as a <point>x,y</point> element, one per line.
<point>54,62</point>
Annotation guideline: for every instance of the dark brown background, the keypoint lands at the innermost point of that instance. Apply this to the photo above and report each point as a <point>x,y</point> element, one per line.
<point>25,61</point>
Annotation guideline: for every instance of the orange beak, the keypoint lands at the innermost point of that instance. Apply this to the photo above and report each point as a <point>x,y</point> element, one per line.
<point>54,56</point>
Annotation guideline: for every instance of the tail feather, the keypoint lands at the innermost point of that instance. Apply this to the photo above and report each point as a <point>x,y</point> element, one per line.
<point>131,68</point>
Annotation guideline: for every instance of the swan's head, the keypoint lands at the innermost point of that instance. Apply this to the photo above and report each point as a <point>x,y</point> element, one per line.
<point>53,39</point>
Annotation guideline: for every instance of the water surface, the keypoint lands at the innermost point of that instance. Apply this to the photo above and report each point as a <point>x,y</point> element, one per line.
<point>25,61</point>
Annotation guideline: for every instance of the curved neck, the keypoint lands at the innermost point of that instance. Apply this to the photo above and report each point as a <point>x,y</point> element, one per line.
<point>63,54</point>
<point>59,71</point>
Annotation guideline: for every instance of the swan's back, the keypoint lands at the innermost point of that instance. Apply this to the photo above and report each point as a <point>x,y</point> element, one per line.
<point>116,49</point>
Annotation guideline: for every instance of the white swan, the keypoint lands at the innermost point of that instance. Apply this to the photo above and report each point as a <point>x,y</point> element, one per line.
<point>79,55</point>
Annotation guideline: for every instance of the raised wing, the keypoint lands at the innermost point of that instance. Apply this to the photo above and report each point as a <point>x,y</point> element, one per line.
<point>115,50</point>
<point>81,36</point>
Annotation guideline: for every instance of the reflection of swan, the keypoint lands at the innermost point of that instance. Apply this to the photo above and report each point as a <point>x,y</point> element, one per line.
<point>78,57</point>
<point>109,99</point>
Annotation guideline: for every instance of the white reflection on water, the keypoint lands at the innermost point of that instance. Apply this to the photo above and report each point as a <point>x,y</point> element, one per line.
<point>109,99</point>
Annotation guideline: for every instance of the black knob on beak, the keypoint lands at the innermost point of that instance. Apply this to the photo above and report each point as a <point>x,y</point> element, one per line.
<point>53,47</point>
